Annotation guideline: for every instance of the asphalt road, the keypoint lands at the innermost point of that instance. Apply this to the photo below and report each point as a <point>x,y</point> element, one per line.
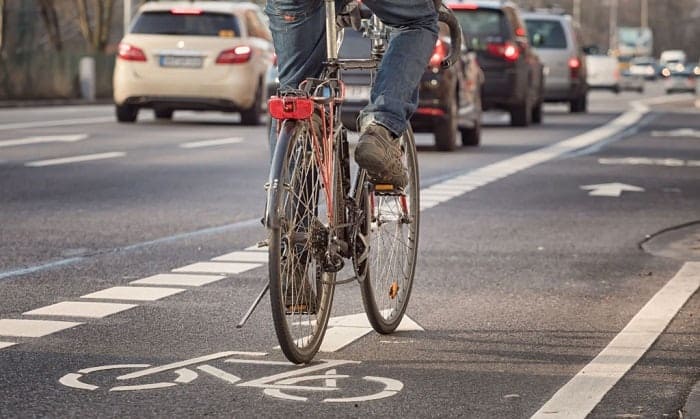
<point>536,289</point>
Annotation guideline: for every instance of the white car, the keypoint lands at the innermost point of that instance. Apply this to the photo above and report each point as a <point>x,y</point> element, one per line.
<point>603,72</point>
<point>194,55</point>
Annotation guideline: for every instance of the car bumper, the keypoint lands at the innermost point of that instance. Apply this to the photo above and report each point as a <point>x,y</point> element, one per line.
<point>502,89</point>
<point>227,89</point>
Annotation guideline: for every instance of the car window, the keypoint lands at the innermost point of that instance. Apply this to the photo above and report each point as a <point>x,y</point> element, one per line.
<point>202,24</point>
<point>546,34</point>
<point>482,26</point>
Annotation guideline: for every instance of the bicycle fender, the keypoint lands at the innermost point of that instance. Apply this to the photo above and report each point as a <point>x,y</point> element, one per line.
<point>272,219</point>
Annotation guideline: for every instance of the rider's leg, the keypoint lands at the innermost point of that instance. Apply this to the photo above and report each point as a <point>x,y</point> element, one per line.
<point>394,95</point>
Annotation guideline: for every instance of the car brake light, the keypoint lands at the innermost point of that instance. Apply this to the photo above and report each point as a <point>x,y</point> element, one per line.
<point>439,54</point>
<point>464,6</point>
<point>185,11</point>
<point>290,107</point>
<point>130,53</point>
<point>574,66</point>
<point>520,31</point>
<point>506,50</point>
<point>238,55</point>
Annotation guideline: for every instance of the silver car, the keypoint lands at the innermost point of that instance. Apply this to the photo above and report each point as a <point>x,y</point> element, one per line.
<point>558,43</point>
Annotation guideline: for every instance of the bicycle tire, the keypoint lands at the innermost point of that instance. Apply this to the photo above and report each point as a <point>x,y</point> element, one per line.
<point>393,247</point>
<point>298,204</point>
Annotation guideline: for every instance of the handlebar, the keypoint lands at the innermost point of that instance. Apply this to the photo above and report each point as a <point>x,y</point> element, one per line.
<point>446,16</point>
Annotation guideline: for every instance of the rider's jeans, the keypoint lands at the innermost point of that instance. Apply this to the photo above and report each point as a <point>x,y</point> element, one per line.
<point>299,33</point>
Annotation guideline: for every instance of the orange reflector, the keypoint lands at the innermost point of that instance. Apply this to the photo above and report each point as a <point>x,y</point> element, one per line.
<point>394,290</point>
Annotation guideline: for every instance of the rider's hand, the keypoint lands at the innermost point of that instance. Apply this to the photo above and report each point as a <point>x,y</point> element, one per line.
<point>350,16</point>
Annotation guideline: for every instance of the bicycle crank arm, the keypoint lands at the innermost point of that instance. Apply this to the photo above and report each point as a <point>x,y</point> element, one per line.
<point>254,306</point>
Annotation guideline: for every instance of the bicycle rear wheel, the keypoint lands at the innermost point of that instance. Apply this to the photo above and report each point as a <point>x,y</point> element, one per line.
<point>301,294</point>
<point>392,227</point>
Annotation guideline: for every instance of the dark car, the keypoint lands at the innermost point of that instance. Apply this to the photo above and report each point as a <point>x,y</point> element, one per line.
<point>449,99</point>
<point>513,71</point>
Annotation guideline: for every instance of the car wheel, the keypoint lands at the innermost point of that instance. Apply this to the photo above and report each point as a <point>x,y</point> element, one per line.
<point>537,113</point>
<point>164,113</point>
<point>579,104</point>
<point>446,131</point>
<point>252,116</point>
<point>520,115</point>
<point>127,113</point>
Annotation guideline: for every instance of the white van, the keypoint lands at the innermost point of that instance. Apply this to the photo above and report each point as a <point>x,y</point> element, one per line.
<point>673,59</point>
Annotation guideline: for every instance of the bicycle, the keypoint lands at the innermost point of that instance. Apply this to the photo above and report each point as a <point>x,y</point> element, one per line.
<point>317,218</point>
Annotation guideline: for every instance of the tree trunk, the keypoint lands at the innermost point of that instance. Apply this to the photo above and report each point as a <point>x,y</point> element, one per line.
<point>96,29</point>
<point>3,5</point>
<point>50,19</point>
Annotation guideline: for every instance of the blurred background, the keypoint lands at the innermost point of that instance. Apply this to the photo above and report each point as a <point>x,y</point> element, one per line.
<point>41,35</point>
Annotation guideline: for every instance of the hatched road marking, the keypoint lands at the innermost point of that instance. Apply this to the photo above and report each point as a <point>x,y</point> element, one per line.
<point>179,280</point>
<point>134,293</point>
<point>32,328</point>
<point>81,309</point>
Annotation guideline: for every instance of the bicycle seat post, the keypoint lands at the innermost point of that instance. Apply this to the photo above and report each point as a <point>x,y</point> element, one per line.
<point>331,32</point>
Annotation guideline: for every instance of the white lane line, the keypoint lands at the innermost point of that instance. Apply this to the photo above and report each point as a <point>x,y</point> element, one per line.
<point>218,267</point>
<point>243,257</point>
<point>43,139</point>
<point>81,309</point>
<point>76,159</point>
<point>4,345</point>
<point>179,280</point>
<point>134,293</point>
<point>58,123</point>
<point>586,389</point>
<point>32,328</point>
<point>211,143</point>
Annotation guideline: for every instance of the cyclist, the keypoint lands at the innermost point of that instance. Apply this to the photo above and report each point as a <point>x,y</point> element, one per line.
<point>298,32</point>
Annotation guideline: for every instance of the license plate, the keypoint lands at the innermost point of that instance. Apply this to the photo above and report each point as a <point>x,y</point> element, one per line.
<point>357,92</point>
<point>180,61</point>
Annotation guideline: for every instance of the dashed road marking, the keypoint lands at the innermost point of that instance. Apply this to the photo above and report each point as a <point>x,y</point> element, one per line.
<point>179,280</point>
<point>43,139</point>
<point>218,267</point>
<point>76,159</point>
<point>81,309</point>
<point>6,344</point>
<point>134,293</point>
<point>211,143</point>
<point>32,328</point>
<point>260,257</point>
<point>587,388</point>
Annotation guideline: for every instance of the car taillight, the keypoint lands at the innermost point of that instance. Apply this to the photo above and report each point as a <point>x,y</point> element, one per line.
<point>130,53</point>
<point>507,50</point>
<point>439,54</point>
<point>240,54</point>
<point>574,66</point>
<point>463,6</point>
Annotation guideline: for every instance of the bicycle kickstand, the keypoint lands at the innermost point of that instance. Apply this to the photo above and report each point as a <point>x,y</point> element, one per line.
<point>252,308</point>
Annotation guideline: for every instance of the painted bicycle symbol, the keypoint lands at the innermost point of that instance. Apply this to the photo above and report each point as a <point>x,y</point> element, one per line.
<point>320,377</point>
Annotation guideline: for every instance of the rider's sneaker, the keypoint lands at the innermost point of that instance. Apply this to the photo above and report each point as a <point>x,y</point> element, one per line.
<point>379,153</point>
<point>300,297</point>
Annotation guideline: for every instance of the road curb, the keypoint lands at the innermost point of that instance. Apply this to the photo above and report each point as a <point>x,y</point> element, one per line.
<point>691,410</point>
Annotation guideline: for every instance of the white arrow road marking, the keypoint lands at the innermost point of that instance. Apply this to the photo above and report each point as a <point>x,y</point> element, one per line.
<point>211,143</point>
<point>681,132</point>
<point>46,139</point>
<point>76,159</point>
<point>587,388</point>
<point>610,189</point>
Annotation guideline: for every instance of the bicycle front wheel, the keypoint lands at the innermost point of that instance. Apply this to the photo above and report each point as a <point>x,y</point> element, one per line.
<point>301,293</point>
<point>392,227</point>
